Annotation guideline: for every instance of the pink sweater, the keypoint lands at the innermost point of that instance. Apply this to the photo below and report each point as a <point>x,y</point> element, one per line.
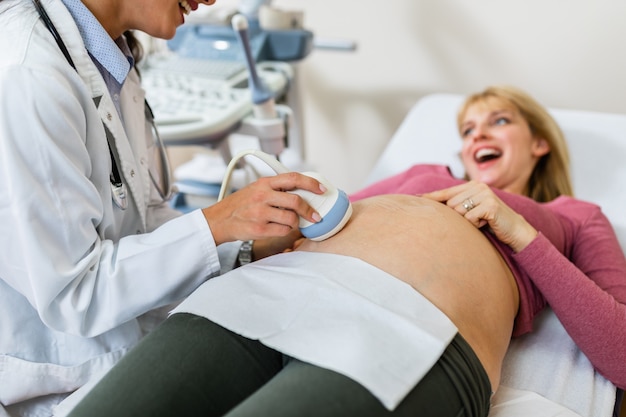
<point>575,265</point>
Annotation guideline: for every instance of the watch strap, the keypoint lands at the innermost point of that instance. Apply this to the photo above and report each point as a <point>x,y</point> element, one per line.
<point>245,252</point>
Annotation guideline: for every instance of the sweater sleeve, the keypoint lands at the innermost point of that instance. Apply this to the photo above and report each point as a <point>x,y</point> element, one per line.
<point>587,291</point>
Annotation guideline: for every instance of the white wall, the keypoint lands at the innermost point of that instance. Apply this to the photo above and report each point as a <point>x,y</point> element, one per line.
<point>567,53</point>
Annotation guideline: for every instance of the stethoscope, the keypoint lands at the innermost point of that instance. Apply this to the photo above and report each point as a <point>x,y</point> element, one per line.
<point>118,188</point>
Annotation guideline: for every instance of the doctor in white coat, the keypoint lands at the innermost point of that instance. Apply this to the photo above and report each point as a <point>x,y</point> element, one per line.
<point>89,250</point>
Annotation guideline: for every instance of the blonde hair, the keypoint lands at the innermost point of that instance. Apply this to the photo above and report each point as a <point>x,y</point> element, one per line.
<point>551,176</point>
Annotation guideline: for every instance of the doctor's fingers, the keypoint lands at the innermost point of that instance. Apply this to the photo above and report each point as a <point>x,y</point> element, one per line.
<point>275,192</point>
<point>294,180</point>
<point>261,203</point>
<point>264,221</point>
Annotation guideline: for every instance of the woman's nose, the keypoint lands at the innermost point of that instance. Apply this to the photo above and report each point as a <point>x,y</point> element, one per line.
<point>479,133</point>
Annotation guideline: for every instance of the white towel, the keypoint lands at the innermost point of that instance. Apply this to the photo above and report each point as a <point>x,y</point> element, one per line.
<point>334,311</point>
<point>509,402</point>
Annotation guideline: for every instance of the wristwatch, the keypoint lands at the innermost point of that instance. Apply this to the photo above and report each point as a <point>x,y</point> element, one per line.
<point>245,253</point>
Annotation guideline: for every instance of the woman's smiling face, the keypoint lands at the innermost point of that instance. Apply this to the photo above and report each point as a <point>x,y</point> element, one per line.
<point>499,147</point>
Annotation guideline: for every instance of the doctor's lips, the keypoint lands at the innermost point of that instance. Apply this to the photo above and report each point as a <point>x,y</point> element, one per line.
<point>186,6</point>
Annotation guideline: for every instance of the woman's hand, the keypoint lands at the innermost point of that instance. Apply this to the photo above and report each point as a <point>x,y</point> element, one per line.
<point>263,209</point>
<point>481,206</point>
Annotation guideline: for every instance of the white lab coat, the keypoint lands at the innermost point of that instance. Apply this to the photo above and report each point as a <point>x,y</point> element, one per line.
<point>77,274</point>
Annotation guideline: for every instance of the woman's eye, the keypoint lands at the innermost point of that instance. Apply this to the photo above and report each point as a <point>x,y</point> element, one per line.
<point>501,121</point>
<point>467,132</point>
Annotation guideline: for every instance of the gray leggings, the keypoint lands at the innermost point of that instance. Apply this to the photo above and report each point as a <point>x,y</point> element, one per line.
<point>191,366</point>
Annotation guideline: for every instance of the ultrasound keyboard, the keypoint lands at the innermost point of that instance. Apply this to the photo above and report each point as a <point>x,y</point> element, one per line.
<point>199,101</point>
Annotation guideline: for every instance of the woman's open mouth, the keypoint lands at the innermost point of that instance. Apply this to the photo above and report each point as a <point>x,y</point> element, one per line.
<point>486,154</point>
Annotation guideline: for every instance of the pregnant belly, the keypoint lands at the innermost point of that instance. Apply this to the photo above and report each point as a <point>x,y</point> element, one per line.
<point>441,255</point>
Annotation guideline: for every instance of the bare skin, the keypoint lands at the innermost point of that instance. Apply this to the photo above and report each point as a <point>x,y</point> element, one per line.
<point>444,257</point>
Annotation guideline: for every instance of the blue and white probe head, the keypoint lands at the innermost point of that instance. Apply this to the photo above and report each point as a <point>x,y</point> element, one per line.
<point>333,206</point>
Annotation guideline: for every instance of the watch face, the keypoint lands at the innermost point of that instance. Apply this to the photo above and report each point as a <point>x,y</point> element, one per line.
<point>245,253</point>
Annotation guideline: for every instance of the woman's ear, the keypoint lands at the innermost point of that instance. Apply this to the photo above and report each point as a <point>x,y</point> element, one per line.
<point>541,147</point>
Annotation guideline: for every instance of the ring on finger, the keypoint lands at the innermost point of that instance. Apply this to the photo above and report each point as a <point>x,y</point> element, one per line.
<point>468,204</point>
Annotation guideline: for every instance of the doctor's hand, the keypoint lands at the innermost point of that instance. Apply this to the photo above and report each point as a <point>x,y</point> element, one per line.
<point>481,206</point>
<point>263,209</point>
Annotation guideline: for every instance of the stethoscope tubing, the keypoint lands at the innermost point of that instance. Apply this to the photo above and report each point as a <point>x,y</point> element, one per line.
<point>118,188</point>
